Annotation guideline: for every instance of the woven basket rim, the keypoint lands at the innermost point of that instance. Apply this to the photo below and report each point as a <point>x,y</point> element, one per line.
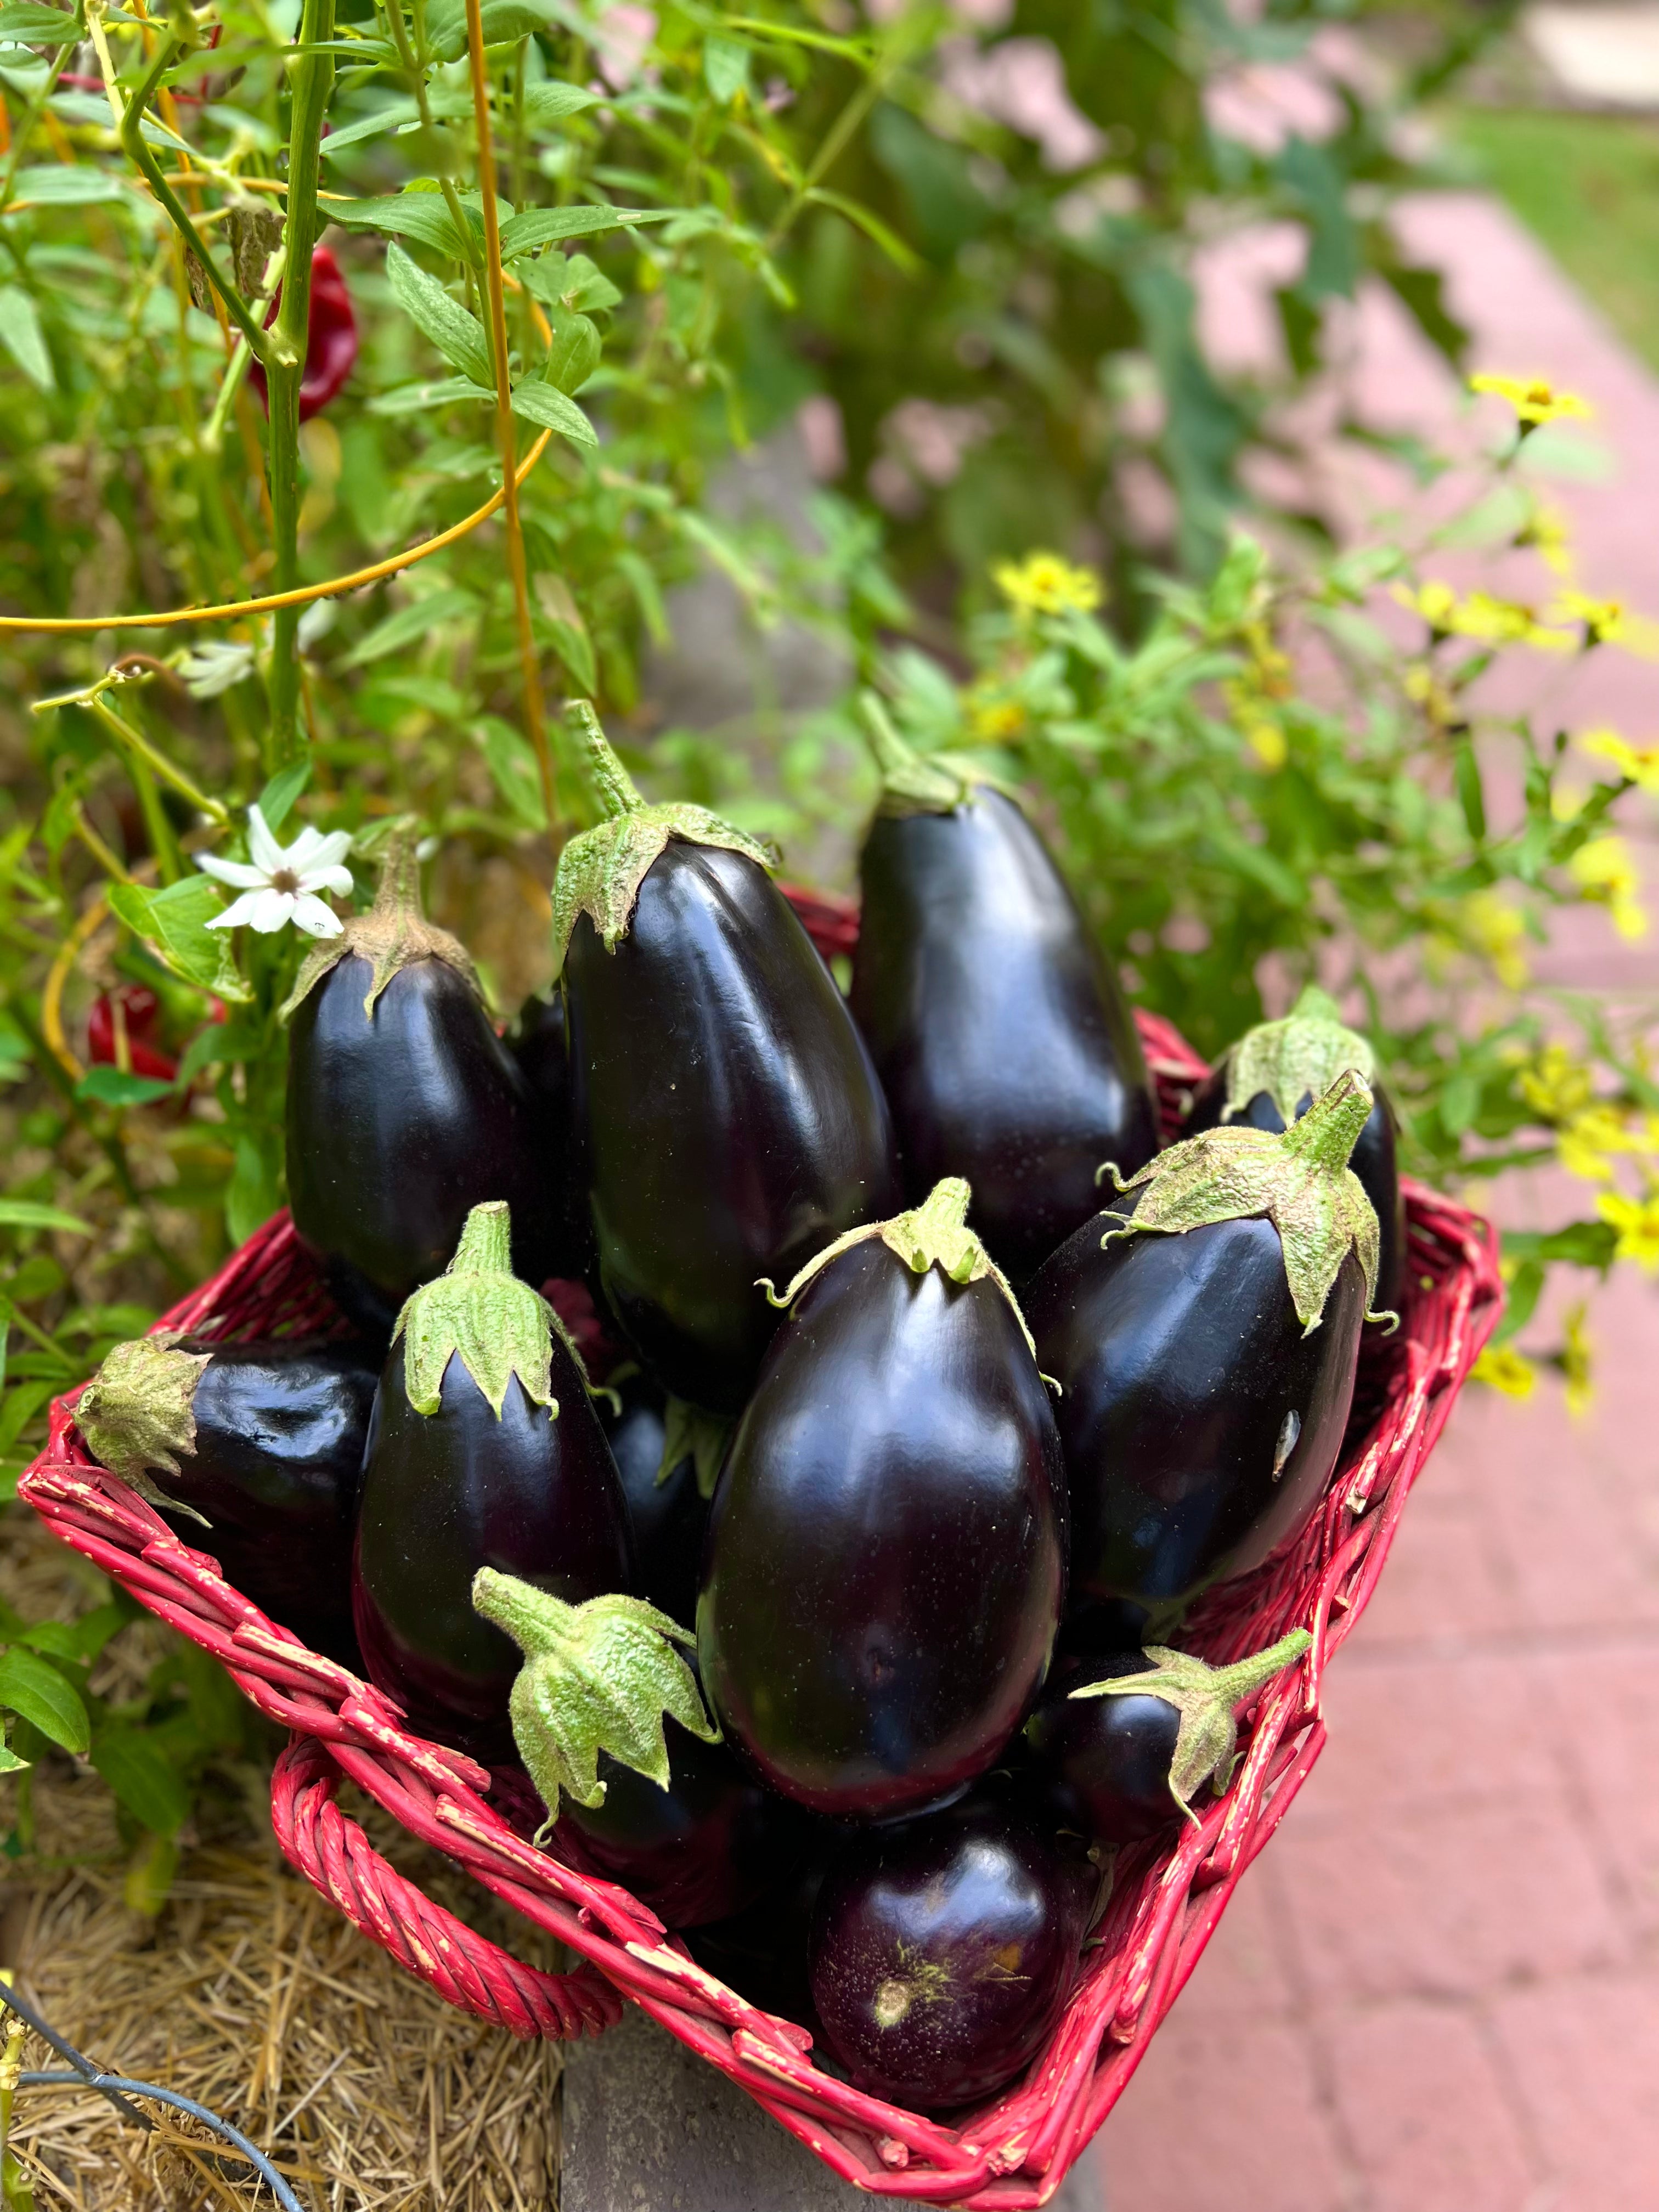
<point>1167,1896</point>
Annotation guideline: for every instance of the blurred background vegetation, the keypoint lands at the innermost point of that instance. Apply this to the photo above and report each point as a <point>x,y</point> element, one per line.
<point>867,348</point>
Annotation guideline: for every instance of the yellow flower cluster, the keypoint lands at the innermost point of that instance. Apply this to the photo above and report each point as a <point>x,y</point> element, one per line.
<point>1479,615</point>
<point>1639,764</point>
<point>1252,697</point>
<point>1499,931</point>
<point>995,716</point>
<point>1637,1221</point>
<point>1534,399</point>
<point>1044,584</point>
<point>1605,871</point>
<point>1506,1369</point>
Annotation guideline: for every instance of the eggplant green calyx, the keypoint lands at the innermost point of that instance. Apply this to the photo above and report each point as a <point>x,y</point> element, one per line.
<point>691,1433</point>
<point>596,1677</point>
<point>1206,1742</point>
<point>479,1312</point>
<point>934,1234</point>
<point>393,935</point>
<point>138,1412</point>
<point>911,783</point>
<point>1300,1180</point>
<point>600,871</point>
<point>1299,1057</point>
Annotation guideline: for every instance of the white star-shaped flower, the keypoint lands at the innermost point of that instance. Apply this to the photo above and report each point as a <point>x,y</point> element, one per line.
<point>279,883</point>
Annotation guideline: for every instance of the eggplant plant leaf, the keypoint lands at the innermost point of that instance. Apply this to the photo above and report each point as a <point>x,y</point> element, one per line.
<point>31,1687</point>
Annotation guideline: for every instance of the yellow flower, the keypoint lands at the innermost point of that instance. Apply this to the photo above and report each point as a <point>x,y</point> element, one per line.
<point>1607,622</point>
<point>1533,398</point>
<point>1585,1147</point>
<point>1506,1370</point>
<point>1424,689</point>
<point>1436,603</point>
<point>1637,1220</point>
<point>1270,667</point>
<point>1556,1086</point>
<point>1575,1361</point>
<point>1498,931</point>
<point>1256,725</point>
<point>1489,620</point>
<point>1640,763</point>
<point>1043,584</point>
<point>1605,873</point>
<point>993,721</point>
<point>1546,530</point>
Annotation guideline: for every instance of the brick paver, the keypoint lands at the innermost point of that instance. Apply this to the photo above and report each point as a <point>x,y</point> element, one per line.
<point>1438,1990</point>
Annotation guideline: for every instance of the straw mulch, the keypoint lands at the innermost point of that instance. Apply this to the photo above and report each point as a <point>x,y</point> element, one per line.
<point>249,1994</point>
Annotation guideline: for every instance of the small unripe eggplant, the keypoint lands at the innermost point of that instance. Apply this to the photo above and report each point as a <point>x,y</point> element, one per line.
<point>405,1108</point>
<point>1204,1346</point>
<point>699,1850</point>
<point>262,1444</point>
<point>1000,1034</point>
<point>1126,1740</point>
<point>1273,1074</point>
<point>483,1451</point>
<point>942,1950</point>
<point>886,1556</point>
<point>726,1119</point>
<point>668,1456</point>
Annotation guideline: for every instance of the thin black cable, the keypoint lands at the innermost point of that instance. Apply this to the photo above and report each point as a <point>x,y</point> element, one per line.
<point>93,2075</point>
<point>262,2165</point>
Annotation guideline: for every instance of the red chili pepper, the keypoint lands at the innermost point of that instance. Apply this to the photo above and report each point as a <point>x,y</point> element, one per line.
<point>131,1007</point>
<point>331,336</point>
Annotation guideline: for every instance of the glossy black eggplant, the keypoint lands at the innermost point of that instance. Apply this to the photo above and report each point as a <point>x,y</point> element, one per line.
<point>264,1442</point>
<point>728,1122</point>
<point>699,1850</point>
<point>999,1030</point>
<point>886,1556</point>
<point>538,1044</point>
<point>668,1507</point>
<point>1273,1074</point>
<point>405,1108</point>
<point>483,1451</point>
<point>1201,1414</point>
<point>942,1952</point>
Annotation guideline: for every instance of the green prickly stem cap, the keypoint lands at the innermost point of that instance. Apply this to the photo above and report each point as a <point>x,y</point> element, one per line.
<point>600,871</point>
<point>596,1677</point>
<point>1299,1179</point>
<point>909,783</point>
<point>1207,1697</point>
<point>478,1311</point>
<point>1296,1058</point>
<point>138,1413</point>
<point>688,1432</point>
<point>934,1234</point>
<point>393,934</point>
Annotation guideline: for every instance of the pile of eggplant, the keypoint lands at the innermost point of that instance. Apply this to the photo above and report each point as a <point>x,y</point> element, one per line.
<point>828,1602</point>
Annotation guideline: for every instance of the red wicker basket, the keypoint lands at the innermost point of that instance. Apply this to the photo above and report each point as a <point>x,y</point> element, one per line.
<point>1166,1898</point>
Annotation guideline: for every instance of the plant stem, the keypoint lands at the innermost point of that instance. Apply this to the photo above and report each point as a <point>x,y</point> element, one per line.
<point>312,75</point>
<point>529,660</point>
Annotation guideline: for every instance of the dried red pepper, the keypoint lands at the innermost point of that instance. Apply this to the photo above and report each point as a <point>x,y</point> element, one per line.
<point>132,1009</point>
<point>330,337</point>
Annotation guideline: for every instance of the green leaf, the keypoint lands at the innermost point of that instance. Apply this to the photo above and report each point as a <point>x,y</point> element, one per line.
<point>411,622</point>
<point>546,104</point>
<point>415,398</point>
<point>140,1775</point>
<point>24,1213</point>
<point>573,281</point>
<point>389,117</point>
<point>873,227</point>
<point>253,1192</point>
<point>573,353</point>
<point>173,923</point>
<point>499,22</point>
<point>512,771</point>
<point>32,1687</point>
<point>547,226</point>
<point>422,215</point>
<point>23,338</point>
<point>276,800</point>
<point>10,1762</point>
<point>459,336</point>
<point>541,404</point>
<point>725,68</point>
<point>116,1086</point>
<point>62,185</point>
<point>1466,771</point>
<point>27,23</point>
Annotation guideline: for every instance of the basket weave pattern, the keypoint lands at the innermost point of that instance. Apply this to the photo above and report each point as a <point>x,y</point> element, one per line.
<point>1167,1896</point>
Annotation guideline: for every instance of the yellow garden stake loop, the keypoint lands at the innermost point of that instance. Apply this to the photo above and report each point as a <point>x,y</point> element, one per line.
<point>51,995</point>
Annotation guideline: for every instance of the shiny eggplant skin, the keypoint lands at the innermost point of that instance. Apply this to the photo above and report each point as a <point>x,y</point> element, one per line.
<point>942,1951</point>
<point>398,1123</point>
<point>446,1494</point>
<point>886,1556</point>
<point>699,1850</point>
<point>728,1123</point>
<point>1373,1161</point>
<point>537,1044</point>
<point>670,1518</point>
<point>999,1031</point>
<point>280,1429</point>
<point>1107,1759</point>
<point>1180,1363</point>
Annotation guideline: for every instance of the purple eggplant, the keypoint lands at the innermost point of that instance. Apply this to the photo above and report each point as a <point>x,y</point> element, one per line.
<point>1271,1076</point>
<point>668,1456</point>
<point>1204,1344</point>
<point>942,1952</point>
<point>1007,1052</point>
<point>886,1556</point>
<point>726,1119</point>
<point>483,1451</point>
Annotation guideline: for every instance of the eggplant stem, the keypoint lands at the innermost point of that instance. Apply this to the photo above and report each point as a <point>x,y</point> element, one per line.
<point>1244,1677</point>
<point>1299,1057</point>
<point>616,790</point>
<point>1327,1133</point>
